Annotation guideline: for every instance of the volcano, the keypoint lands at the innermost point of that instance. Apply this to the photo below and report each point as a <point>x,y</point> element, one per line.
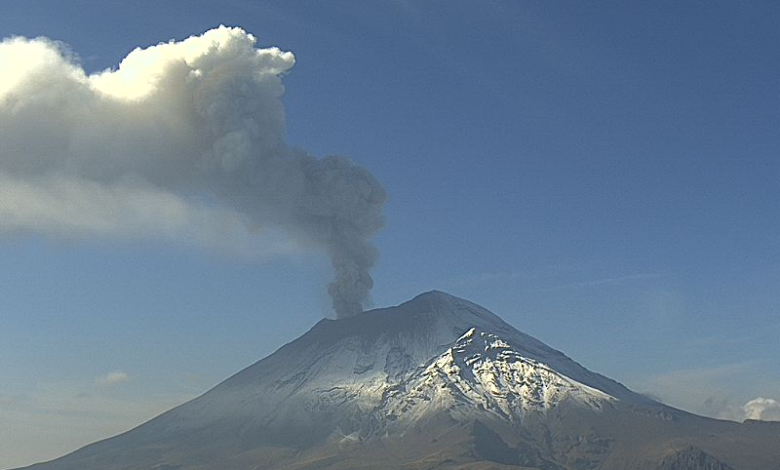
<point>435,383</point>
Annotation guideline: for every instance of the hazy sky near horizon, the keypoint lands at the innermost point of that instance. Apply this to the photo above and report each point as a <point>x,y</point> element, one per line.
<point>603,177</point>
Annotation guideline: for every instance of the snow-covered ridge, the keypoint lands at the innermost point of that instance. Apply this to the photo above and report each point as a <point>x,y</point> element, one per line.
<point>481,373</point>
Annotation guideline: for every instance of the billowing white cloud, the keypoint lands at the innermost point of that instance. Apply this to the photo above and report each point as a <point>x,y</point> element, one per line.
<point>112,378</point>
<point>765,409</point>
<point>183,141</point>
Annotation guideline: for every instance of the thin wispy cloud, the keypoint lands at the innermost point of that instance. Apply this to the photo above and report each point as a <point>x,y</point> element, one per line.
<point>551,279</point>
<point>112,378</point>
<point>606,281</point>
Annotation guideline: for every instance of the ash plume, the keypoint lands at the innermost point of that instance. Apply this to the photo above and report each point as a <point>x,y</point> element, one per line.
<point>183,141</point>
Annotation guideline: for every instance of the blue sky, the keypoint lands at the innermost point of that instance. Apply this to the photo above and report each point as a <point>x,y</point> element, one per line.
<point>603,177</point>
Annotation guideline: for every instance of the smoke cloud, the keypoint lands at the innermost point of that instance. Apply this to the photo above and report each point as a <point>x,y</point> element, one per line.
<point>183,141</point>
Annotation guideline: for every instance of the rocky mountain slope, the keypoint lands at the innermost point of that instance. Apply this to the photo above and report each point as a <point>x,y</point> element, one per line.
<point>437,382</point>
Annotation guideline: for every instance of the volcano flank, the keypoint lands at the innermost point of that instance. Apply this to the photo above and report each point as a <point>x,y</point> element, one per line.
<point>436,382</point>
